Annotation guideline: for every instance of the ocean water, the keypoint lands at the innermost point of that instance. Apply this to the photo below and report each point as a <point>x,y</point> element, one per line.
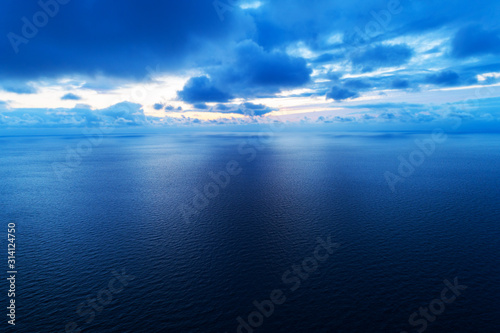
<point>130,205</point>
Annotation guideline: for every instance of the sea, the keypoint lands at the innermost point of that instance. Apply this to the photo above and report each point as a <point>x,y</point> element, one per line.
<point>277,231</point>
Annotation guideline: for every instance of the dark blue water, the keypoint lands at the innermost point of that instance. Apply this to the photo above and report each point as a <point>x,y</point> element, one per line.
<point>118,208</point>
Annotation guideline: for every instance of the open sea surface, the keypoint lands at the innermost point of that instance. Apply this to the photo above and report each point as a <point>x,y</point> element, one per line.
<point>123,207</point>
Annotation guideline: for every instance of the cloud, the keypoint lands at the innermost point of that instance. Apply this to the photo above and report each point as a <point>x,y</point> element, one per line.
<point>479,111</point>
<point>157,106</point>
<point>253,106</point>
<point>200,106</point>
<point>172,108</point>
<point>254,109</point>
<point>356,84</point>
<point>380,56</point>
<point>473,40</point>
<point>91,37</point>
<point>251,55</point>
<point>270,69</point>
<point>121,114</point>
<point>125,113</point>
<point>327,57</point>
<point>202,89</point>
<point>340,94</point>
<point>71,96</point>
<point>387,116</point>
<point>315,22</point>
<point>400,84</point>
<point>331,120</point>
<point>387,106</point>
<point>444,78</point>
<point>249,109</point>
<point>18,87</point>
<point>249,72</point>
<point>222,107</point>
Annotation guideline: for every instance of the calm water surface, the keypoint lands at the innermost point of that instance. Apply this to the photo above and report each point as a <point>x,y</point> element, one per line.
<point>118,209</point>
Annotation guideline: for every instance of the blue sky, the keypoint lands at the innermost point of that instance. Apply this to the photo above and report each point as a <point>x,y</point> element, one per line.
<point>68,63</point>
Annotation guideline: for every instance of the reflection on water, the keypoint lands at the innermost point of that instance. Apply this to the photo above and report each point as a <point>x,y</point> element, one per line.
<point>120,209</point>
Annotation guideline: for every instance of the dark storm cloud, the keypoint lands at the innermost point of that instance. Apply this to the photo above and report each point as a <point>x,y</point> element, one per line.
<point>123,38</point>
<point>110,37</point>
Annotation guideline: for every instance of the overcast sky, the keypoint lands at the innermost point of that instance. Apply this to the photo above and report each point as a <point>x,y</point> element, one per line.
<point>158,63</point>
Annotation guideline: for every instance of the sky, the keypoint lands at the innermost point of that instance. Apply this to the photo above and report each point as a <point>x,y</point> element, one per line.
<point>150,63</point>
